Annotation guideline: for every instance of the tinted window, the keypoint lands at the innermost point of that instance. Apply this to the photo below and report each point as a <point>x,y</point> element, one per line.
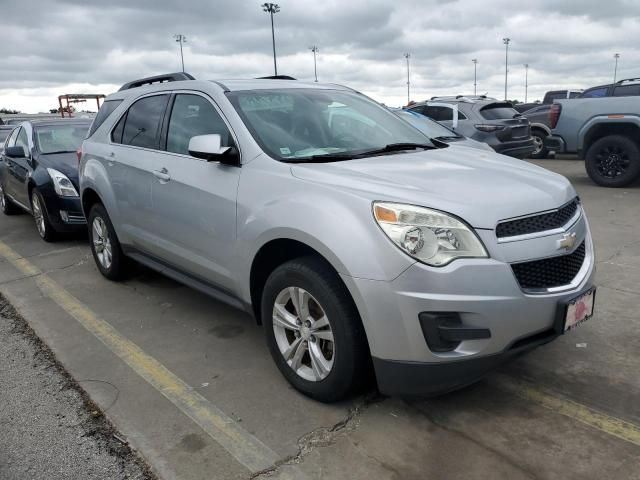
<point>626,90</point>
<point>574,94</point>
<point>595,93</point>
<point>12,139</point>
<point>439,114</point>
<point>62,138</point>
<point>116,133</point>
<point>142,126</point>
<point>193,115</point>
<point>550,96</point>
<point>498,112</point>
<point>23,140</point>
<point>105,110</point>
<point>461,116</point>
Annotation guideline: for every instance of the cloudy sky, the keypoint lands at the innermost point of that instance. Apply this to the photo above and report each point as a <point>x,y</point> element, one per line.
<point>50,47</point>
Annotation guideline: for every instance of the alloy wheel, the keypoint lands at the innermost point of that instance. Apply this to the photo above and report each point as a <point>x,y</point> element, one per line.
<point>38,215</point>
<point>101,242</point>
<point>538,143</point>
<point>303,334</point>
<point>612,161</point>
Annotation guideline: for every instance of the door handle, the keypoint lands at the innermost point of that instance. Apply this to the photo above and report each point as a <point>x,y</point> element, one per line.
<point>162,175</point>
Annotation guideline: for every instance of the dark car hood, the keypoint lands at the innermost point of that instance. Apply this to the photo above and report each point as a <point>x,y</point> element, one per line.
<point>66,163</point>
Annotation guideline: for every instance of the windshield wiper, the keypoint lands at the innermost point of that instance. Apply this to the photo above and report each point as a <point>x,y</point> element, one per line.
<point>58,151</point>
<point>337,157</point>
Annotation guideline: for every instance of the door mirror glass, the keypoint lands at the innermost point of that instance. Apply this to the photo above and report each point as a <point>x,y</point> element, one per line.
<point>207,147</point>
<point>15,152</point>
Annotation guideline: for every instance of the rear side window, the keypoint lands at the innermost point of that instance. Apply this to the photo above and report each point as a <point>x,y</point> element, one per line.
<point>595,93</point>
<point>142,122</point>
<point>498,111</point>
<point>193,115</point>
<point>106,109</point>
<point>439,114</point>
<point>626,90</point>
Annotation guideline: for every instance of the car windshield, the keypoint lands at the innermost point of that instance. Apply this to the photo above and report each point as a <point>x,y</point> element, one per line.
<point>60,138</point>
<point>430,128</point>
<point>298,124</point>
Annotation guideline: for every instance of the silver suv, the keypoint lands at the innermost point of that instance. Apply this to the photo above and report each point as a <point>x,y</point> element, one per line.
<point>358,243</point>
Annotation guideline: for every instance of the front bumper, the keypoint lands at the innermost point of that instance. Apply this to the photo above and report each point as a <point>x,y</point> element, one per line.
<point>64,213</point>
<point>482,293</point>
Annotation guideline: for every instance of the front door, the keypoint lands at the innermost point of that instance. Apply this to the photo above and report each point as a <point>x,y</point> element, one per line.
<point>194,201</point>
<point>19,169</point>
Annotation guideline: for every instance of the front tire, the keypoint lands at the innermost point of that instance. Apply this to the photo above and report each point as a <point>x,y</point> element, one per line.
<point>314,331</point>
<point>613,161</point>
<point>41,217</point>
<point>538,140</point>
<point>105,247</point>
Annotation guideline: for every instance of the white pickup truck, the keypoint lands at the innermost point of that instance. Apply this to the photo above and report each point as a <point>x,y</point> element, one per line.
<point>604,131</point>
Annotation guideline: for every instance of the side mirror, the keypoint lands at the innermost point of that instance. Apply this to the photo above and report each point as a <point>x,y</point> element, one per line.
<point>15,152</point>
<point>209,148</point>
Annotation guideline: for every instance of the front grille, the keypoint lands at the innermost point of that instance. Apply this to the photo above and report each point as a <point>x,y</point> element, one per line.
<point>537,223</point>
<point>550,272</point>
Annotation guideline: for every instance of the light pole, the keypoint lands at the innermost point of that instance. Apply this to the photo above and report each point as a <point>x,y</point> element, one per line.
<point>180,38</point>
<point>475,76</point>
<point>271,9</point>
<point>407,56</point>
<point>506,42</point>
<point>615,69</point>
<point>526,81</point>
<point>315,50</point>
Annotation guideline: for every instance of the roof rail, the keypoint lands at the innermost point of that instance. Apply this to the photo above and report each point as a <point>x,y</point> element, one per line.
<point>167,77</point>
<point>276,77</point>
<point>628,80</point>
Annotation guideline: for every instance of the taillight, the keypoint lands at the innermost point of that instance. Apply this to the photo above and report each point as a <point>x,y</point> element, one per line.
<point>554,114</point>
<point>79,154</point>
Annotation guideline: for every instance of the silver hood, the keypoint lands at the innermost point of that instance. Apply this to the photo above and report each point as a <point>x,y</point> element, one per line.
<point>480,187</point>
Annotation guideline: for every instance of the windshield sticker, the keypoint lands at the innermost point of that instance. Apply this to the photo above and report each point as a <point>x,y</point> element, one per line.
<point>285,151</point>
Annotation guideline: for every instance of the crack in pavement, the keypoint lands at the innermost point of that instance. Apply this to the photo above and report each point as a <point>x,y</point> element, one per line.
<point>322,436</point>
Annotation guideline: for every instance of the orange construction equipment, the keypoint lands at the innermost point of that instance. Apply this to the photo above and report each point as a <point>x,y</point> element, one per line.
<point>77,98</point>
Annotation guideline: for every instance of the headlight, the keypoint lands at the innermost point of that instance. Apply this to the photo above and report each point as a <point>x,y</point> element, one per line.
<point>62,184</point>
<point>429,236</point>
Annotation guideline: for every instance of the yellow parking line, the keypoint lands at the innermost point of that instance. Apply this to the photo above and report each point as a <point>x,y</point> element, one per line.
<point>601,421</point>
<point>243,446</point>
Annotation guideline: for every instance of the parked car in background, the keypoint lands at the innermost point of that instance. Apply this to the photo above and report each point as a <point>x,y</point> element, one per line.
<point>437,131</point>
<point>39,174</point>
<point>548,99</point>
<point>624,88</point>
<point>603,131</point>
<point>484,119</point>
<point>5,130</point>
<point>353,238</point>
<point>538,117</point>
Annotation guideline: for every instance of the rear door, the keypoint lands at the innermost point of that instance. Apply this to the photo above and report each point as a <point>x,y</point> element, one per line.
<point>194,201</point>
<point>135,141</point>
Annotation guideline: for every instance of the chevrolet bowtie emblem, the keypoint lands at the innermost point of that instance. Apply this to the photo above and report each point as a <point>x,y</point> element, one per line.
<point>567,241</point>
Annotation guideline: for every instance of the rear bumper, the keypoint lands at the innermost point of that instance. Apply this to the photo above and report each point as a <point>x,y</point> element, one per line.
<point>555,143</point>
<point>516,149</point>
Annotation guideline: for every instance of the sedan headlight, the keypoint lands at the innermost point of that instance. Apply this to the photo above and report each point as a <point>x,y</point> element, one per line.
<point>429,236</point>
<point>62,184</point>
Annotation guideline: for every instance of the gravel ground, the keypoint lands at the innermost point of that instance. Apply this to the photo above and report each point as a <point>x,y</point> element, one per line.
<point>49,429</point>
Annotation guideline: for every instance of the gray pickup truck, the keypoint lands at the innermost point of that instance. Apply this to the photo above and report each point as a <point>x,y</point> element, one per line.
<point>603,131</point>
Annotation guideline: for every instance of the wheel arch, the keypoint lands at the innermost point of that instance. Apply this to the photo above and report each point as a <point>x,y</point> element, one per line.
<point>596,131</point>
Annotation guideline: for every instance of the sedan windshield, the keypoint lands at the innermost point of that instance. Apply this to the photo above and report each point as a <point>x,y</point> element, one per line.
<point>299,124</point>
<point>60,138</point>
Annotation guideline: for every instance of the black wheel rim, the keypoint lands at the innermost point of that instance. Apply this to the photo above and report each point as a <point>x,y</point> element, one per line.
<point>612,161</point>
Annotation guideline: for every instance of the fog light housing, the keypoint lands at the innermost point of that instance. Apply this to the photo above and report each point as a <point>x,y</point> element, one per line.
<point>64,216</point>
<point>444,331</point>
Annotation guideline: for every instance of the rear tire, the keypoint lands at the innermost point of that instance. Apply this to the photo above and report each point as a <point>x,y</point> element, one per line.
<point>327,355</point>
<point>613,161</point>
<point>105,247</point>
<point>538,140</point>
<point>8,207</point>
<point>41,217</point>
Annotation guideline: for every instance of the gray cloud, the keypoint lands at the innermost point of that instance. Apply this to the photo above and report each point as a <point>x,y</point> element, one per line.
<point>50,46</point>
